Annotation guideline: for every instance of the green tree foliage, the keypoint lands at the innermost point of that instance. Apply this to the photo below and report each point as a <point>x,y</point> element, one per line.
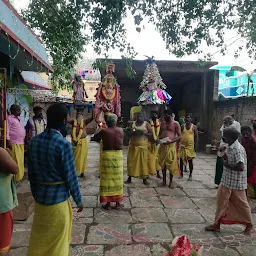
<point>66,26</point>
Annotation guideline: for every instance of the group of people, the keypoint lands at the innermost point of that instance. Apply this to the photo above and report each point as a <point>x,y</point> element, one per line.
<point>53,166</point>
<point>18,136</point>
<point>235,169</point>
<point>158,144</point>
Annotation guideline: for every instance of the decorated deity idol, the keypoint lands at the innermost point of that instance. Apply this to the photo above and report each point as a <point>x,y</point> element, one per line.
<point>152,86</point>
<point>108,96</point>
<point>79,91</point>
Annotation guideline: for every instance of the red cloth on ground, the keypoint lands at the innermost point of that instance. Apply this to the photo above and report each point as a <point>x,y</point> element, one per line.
<point>6,229</point>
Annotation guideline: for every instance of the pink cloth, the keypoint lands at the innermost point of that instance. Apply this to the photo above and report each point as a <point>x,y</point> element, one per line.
<point>160,95</point>
<point>252,178</point>
<point>15,130</point>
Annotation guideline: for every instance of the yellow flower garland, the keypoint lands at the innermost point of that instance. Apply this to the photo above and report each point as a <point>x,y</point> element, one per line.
<point>74,137</point>
<point>155,129</point>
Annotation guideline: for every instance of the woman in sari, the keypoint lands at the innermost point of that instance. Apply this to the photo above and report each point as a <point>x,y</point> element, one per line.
<point>249,143</point>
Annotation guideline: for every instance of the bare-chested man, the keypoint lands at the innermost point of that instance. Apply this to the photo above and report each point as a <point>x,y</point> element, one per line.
<point>80,141</point>
<point>167,151</point>
<point>111,176</point>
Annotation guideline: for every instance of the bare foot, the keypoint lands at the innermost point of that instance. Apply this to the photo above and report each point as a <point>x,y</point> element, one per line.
<point>107,206</point>
<point>213,228</point>
<point>129,180</point>
<point>159,176</point>
<point>145,182</point>
<point>190,178</point>
<point>248,230</point>
<point>119,206</point>
<point>163,184</point>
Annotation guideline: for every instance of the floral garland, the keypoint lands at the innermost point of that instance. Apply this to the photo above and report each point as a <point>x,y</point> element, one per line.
<point>74,137</point>
<point>155,129</point>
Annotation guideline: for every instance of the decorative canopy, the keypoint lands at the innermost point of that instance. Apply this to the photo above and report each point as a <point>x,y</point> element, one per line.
<point>153,86</point>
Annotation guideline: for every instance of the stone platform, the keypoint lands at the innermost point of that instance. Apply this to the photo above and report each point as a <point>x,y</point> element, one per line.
<point>151,218</point>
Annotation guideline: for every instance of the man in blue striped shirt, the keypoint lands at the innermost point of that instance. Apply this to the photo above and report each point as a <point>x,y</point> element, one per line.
<point>52,176</point>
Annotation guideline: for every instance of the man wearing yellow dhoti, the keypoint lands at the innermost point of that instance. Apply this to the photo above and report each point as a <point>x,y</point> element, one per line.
<point>154,167</point>
<point>101,121</point>
<point>15,136</point>
<point>137,159</point>
<point>188,144</point>
<point>53,179</point>
<point>80,141</point>
<point>170,133</point>
<point>111,171</point>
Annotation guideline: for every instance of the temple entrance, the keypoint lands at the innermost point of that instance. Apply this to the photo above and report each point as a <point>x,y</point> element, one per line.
<point>190,84</point>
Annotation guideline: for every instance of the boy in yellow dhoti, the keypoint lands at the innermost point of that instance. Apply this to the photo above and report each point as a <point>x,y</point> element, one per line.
<point>15,139</point>
<point>188,144</point>
<point>137,158</point>
<point>80,141</point>
<point>167,156</point>
<point>153,165</point>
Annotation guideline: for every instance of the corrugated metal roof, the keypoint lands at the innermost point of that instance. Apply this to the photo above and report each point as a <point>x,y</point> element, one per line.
<point>34,79</point>
<point>12,24</point>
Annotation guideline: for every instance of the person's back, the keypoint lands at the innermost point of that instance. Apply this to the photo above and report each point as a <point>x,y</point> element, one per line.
<point>112,138</point>
<point>52,176</point>
<point>46,152</point>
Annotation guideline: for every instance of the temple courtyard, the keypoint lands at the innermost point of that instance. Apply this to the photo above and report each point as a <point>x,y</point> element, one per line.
<point>151,218</point>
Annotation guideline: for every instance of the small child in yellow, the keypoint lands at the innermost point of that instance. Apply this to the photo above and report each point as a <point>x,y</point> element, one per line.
<point>188,144</point>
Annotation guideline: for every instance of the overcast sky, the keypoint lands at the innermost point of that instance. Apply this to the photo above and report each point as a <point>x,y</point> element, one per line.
<point>149,42</point>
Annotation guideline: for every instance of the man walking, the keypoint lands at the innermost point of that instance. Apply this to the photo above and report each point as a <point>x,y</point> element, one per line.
<point>188,144</point>
<point>52,176</point>
<point>15,136</point>
<point>170,131</point>
<point>232,204</point>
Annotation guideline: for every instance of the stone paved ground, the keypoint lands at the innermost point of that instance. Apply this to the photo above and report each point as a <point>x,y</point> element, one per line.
<point>151,218</point>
